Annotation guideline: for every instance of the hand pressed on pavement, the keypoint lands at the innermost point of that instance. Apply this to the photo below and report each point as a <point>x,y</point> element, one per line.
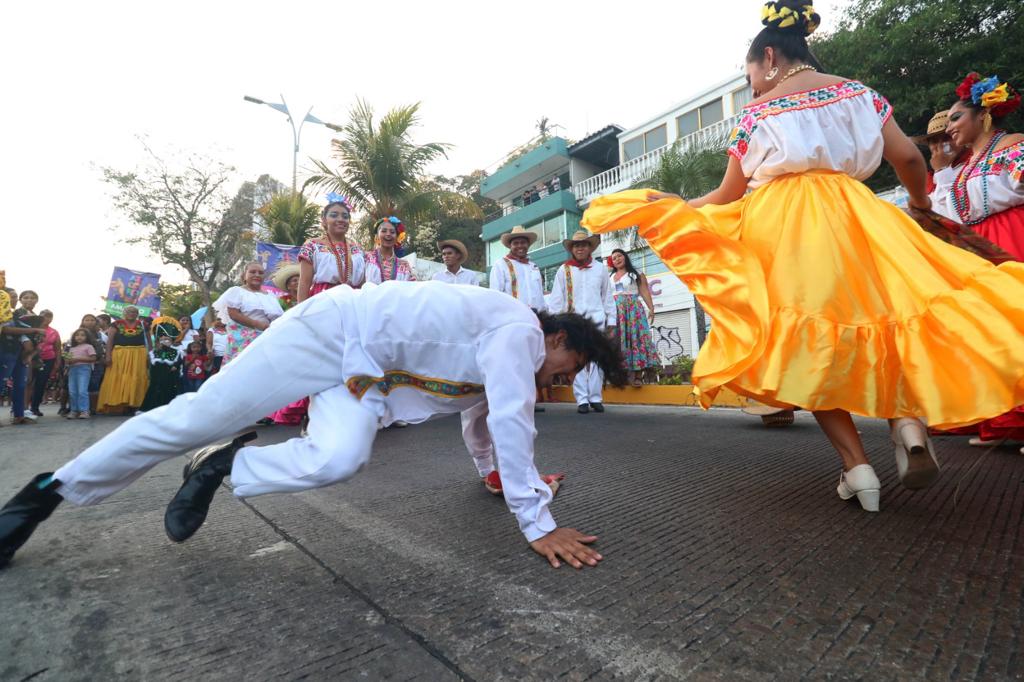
<point>568,544</point>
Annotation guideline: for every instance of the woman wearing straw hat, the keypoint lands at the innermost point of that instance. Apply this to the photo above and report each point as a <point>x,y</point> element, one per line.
<point>454,254</point>
<point>515,274</point>
<point>581,286</point>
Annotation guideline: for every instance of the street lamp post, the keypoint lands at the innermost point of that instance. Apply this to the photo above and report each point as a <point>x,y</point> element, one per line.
<point>296,132</point>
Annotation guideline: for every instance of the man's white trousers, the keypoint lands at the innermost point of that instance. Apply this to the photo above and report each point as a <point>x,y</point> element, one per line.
<point>587,385</point>
<point>299,355</point>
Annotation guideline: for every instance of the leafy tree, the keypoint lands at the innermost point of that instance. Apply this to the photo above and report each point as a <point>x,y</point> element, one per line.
<point>179,299</point>
<point>382,170</point>
<point>451,221</point>
<point>289,219</point>
<point>186,216</point>
<point>915,52</point>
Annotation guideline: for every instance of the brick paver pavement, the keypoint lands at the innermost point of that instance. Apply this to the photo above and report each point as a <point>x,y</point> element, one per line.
<point>727,556</point>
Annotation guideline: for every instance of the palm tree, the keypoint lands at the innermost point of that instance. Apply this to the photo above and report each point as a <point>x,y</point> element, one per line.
<point>543,129</point>
<point>690,169</point>
<point>383,171</point>
<point>290,218</point>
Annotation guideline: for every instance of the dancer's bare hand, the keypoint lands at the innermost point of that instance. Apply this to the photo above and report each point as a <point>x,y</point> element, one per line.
<point>657,196</point>
<point>921,204</point>
<point>568,544</point>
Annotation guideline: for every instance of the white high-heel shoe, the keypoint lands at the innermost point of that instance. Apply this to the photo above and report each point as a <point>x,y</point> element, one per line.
<point>862,482</point>
<point>916,462</point>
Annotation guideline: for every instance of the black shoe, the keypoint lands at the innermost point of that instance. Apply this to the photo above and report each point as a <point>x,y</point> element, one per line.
<point>266,421</point>
<point>26,510</point>
<point>538,408</point>
<point>583,409</point>
<point>203,475</point>
<point>597,407</point>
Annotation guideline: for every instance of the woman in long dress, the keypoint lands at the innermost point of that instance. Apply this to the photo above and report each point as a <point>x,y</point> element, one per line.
<point>632,292</point>
<point>126,378</point>
<point>824,296</point>
<point>987,193</point>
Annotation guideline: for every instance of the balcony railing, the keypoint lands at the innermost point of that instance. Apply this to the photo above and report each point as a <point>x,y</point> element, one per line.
<point>625,174</point>
<point>518,204</point>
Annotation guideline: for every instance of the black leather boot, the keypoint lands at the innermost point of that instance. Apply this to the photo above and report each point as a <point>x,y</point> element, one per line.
<point>26,510</point>
<point>203,475</point>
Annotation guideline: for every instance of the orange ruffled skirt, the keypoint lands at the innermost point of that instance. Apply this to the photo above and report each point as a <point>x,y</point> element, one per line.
<point>825,297</point>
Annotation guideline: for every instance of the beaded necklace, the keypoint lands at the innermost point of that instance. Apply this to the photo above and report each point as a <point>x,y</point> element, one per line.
<point>344,266</point>
<point>134,330</point>
<point>389,268</point>
<point>958,193</point>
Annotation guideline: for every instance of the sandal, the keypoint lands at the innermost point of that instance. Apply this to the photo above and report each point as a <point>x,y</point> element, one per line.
<point>493,482</point>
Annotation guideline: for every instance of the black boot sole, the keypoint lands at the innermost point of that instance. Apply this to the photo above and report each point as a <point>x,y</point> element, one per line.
<point>187,510</point>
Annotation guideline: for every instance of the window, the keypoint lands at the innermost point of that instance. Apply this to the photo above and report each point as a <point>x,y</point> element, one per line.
<point>692,121</point>
<point>553,230</point>
<point>495,251</point>
<point>633,148</point>
<point>741,98</point>
<point>688,123</point>
<point>711,113</point>
<point>653,139</point>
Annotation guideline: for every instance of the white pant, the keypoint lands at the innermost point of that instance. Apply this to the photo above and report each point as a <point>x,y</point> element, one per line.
<point>587,385</point>
<point>299,355</point>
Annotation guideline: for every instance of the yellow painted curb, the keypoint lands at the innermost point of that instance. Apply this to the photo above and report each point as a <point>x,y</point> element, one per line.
<point>653,395</point>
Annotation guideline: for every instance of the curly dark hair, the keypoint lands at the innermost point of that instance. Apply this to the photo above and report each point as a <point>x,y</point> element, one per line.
<point>584,336</point>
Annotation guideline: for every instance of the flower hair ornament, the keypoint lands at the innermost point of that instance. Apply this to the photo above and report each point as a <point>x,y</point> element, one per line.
<point>1000,99</point>
<point>795,15</point>
<point>608,260</point>
<point>334,198</point>
<point>399,233</point>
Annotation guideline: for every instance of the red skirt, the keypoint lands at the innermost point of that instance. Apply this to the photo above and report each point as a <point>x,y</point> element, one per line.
<point>1006,230</point>
<point>320,286</point>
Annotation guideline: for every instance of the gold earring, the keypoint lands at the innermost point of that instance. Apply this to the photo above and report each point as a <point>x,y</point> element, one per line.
<point>986,122</point>
<point>770,76</point>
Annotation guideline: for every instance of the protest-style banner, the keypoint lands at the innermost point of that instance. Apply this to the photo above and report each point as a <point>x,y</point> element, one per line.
<point>273,257</point>
<point>131,287</point>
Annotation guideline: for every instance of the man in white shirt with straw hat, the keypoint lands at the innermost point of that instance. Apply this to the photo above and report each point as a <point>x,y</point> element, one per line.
<point>454,253</point>
<point>515,274</point>
<point>581,286</point>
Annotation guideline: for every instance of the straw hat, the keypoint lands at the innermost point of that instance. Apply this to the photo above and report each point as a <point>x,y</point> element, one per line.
<point>518,232</point>
<point>936,126</point>
<point>283,274</point>
<point>457,245</point>
<point>581,236</point>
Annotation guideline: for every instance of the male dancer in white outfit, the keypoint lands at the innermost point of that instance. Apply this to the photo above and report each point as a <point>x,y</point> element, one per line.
<point>581,286</point>
<point>407,351</point>
<point>515,274</point>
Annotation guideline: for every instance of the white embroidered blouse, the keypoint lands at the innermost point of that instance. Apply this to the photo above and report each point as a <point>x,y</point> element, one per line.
<point>325,263</point>
<point>837,128</point>
<point>972,192</point>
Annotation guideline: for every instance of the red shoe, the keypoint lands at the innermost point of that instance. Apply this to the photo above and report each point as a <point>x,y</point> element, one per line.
<point>493,482</point>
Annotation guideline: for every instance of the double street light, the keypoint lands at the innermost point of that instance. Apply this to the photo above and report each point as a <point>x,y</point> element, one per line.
<point>296,132</point>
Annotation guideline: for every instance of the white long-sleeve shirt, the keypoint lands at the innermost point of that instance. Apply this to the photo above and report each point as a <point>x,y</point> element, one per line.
<point>529,285</point>
<point>463,276</point>
<point>424,349</point>
<point>591,294</point>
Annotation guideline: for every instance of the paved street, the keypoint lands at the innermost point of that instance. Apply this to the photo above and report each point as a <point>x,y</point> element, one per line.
<point>727,556</point>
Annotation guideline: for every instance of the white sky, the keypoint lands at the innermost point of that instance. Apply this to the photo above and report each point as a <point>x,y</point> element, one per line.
<point>82,80</point>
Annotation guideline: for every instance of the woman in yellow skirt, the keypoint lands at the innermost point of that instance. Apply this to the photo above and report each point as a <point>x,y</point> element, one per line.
<point>127,375</point>
<point>824,296</point>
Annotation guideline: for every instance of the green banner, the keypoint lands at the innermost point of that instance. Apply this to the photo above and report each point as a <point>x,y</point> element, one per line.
<point>116,309</point>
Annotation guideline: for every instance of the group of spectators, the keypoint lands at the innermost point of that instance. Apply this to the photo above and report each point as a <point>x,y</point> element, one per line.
<point>541,190</point>
<point>106,366</point>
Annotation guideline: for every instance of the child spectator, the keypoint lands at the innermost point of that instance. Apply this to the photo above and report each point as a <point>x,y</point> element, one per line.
<point>80,358</point>
<point>197,365</point>
<point>216,345</point>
